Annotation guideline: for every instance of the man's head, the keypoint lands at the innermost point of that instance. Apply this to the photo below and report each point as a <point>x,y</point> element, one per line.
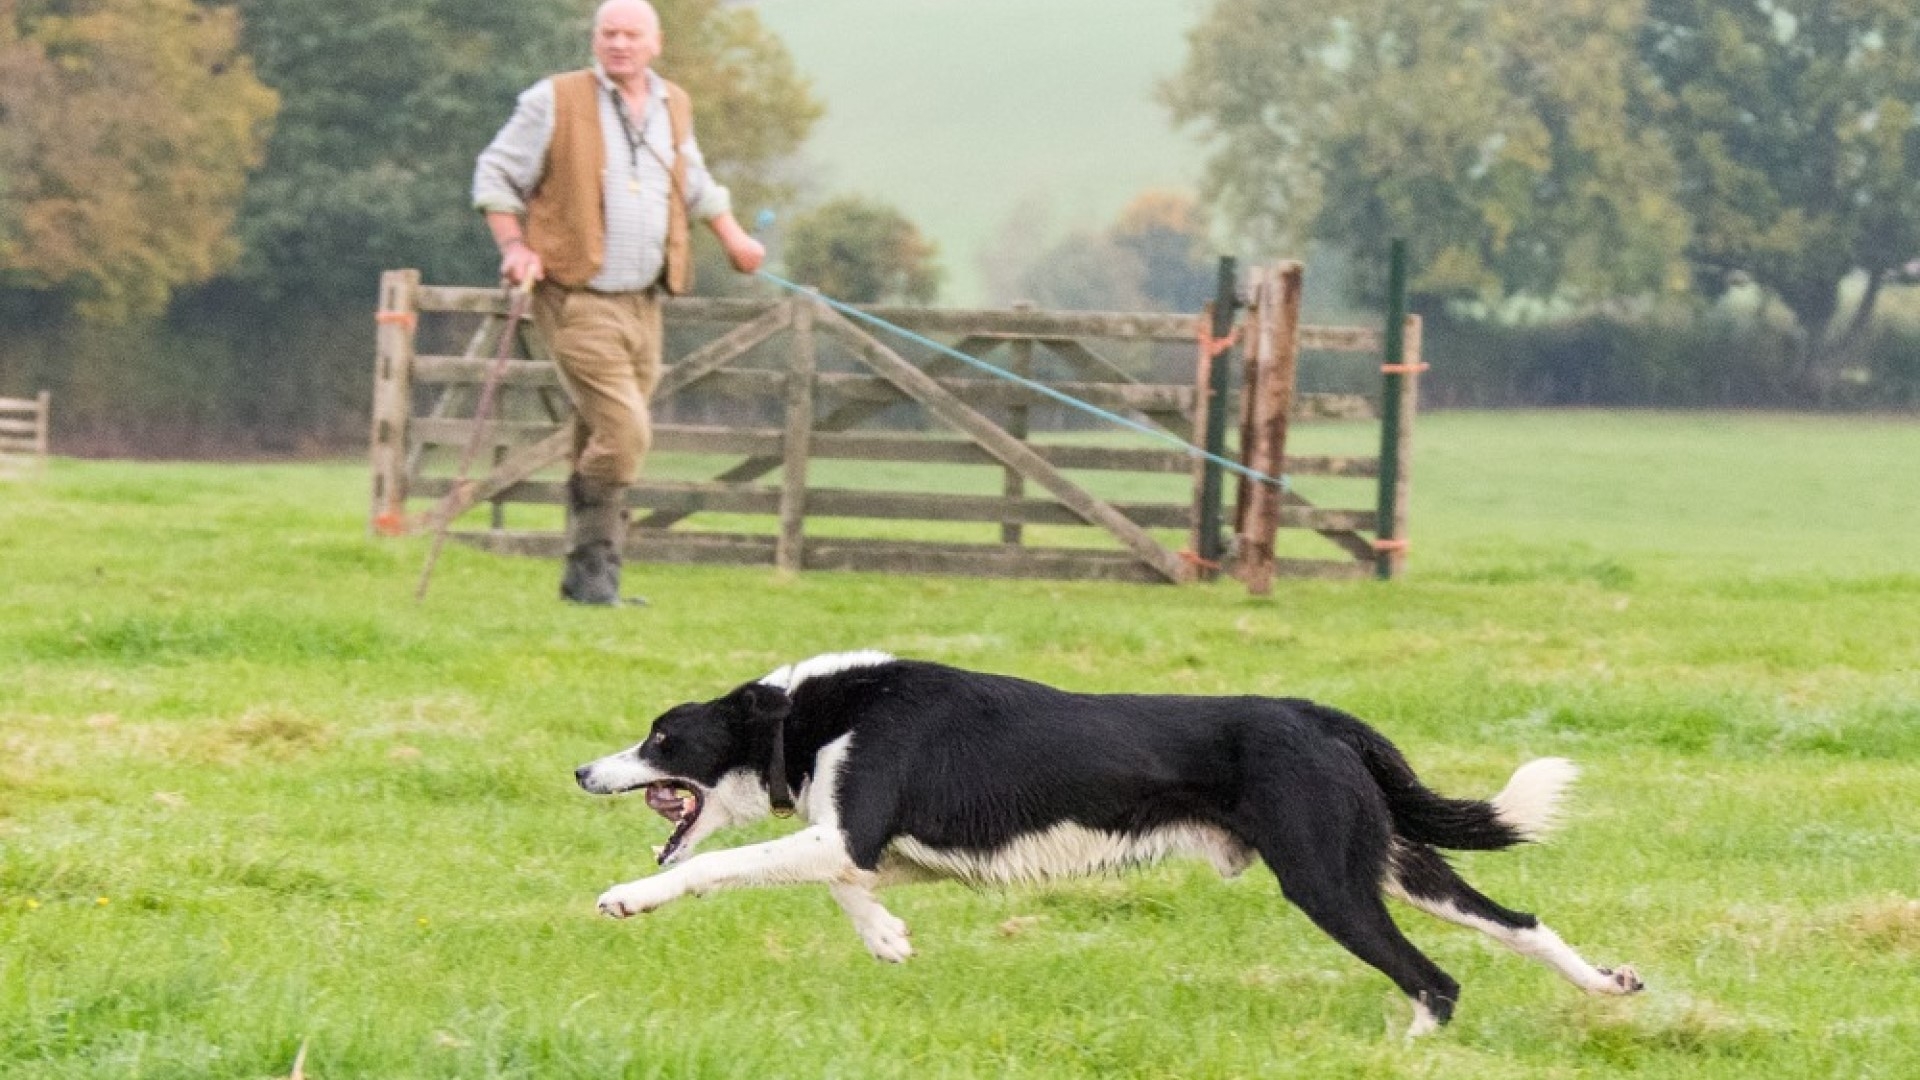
<point>626,38</point>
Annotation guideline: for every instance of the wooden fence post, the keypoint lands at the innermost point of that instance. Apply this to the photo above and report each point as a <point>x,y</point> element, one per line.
<point>1276,353</point>
<point>497,512</point>
<point>1259,299</point>
<point>398,321</point>
<point>789,552</point>
<point>1019,425</point>
<point>41,435</point>
<point>1409,400</point>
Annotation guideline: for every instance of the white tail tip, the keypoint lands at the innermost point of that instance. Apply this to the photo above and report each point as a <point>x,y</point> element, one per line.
<point>1530,803</point>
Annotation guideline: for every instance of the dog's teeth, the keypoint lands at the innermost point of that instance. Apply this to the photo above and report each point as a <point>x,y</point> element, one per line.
<point>659,850</point>
<point>689,804</point>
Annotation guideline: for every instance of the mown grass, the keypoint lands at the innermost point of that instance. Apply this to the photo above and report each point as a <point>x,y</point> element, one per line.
<point>251,795</point>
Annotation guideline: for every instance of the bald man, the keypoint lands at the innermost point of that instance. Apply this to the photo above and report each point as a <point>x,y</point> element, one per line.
<point>588,190</point>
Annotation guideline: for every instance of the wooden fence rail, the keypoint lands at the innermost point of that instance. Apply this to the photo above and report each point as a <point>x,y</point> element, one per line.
<point>879,410</point>
<point>23,433</point>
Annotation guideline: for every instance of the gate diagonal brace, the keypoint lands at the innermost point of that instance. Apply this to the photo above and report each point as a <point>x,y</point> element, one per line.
<point>1011,452</point>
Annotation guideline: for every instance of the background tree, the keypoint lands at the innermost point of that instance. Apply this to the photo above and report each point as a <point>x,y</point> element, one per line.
<point>861,250</point>
<point>1084,271</point>
<point>383,108</point>
<point>1797,129</point>
<point>128,129</point>
<point>1494,136</point>
<point>1166,232</point>
<point>1155,256</point>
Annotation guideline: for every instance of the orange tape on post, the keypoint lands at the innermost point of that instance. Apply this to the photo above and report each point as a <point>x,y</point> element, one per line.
<point>401,318</point>
<point>1214,346</point>
<point>1404,369</point>
<point>1192,558</point>
<point>1386,547</point>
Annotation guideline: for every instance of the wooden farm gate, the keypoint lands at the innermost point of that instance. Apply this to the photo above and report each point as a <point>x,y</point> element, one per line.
<point>830,391</point>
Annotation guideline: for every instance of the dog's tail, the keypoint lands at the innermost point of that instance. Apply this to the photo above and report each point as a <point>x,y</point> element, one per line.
<point>1525,810</point>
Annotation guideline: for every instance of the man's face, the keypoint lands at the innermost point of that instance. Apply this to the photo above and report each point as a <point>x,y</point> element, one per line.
<point>625,41</point>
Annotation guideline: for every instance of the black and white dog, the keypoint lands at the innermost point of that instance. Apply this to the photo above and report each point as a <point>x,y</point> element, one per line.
<point>914,771</point>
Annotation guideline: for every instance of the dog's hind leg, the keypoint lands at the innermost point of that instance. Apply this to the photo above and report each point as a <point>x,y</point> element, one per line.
<point>1424,879</point>
<point>1358,920</point>
<point>1332,873</point>
<point>885,935</point>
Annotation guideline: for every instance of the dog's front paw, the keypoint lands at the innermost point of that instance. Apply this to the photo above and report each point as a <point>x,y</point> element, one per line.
<point>1622,980</point>
<point>637,897</point>
<point>886,938</point>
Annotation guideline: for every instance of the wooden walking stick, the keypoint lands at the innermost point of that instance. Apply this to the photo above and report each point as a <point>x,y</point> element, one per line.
<point>442,515</point>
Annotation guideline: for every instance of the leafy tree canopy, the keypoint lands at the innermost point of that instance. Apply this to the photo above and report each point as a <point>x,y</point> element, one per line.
<point>1797,127</point>
<point>861,251</point>
<point>126,129</point>
<point>1493,135</point>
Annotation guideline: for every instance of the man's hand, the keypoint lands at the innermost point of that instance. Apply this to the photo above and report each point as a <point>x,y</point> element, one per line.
<point>520,264</point>
<point>743,251</point>
<point>747,255</point>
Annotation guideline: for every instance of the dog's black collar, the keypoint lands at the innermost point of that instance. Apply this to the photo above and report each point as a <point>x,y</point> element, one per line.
<point>777,791</point>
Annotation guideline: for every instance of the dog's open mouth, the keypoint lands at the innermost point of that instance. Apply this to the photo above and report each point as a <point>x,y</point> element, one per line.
<point>680,803</point>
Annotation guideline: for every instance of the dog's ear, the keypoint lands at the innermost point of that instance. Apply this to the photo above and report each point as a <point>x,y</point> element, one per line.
<point>762,705</point>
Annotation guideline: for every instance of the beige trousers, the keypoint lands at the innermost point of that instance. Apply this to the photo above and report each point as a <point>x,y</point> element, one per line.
<point>607,346</point>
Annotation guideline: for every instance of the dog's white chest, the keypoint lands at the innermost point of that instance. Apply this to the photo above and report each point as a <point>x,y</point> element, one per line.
<point>1069,850</point>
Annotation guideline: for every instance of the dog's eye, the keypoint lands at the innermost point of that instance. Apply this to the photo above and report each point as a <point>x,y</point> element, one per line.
<point>658,739</point>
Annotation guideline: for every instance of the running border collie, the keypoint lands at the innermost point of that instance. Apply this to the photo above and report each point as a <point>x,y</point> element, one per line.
<point>907,771</point>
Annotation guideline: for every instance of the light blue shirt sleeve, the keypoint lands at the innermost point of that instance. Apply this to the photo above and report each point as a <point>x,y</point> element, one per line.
<point>706,197</point>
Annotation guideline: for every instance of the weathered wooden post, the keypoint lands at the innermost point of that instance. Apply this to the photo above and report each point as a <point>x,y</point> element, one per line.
<point>1275,352</point>
<point>497,511</point>
<point>43,425</point>
<point>397,324</point>
<point>797,444</point>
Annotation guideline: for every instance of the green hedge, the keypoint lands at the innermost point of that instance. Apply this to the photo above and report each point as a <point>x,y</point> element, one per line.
<point>213,379</point>
<point>1613,362</point>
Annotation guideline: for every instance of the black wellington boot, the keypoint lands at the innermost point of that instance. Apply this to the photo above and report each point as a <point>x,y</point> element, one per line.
<point>596,532</point>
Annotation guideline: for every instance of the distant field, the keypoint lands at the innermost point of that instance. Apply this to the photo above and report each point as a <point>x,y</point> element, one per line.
<point>957,111</point>
<point>251,795</point>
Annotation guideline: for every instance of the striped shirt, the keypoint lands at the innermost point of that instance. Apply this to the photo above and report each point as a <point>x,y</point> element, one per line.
<point>633,190</point>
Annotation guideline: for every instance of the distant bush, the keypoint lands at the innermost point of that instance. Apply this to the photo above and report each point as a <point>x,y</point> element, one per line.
<point>862,250</point>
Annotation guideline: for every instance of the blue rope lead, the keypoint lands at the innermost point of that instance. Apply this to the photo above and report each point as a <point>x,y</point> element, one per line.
<point>1040,388</point>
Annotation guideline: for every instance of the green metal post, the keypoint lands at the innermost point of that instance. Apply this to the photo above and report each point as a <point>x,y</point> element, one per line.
<point>1390,420</point>
<point>1224,304</point>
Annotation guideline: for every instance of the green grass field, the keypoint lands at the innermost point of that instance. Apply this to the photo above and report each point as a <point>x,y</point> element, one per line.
<point>251,795</point>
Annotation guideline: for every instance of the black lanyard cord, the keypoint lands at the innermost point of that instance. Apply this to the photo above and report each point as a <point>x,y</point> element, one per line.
<point>635,139</point>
